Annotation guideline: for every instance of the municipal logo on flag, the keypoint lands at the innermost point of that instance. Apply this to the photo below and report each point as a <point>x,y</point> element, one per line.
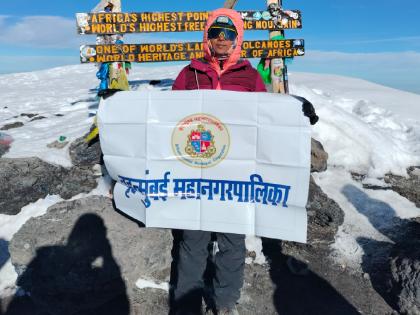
<point>200,143</point>
<point>200,140</point>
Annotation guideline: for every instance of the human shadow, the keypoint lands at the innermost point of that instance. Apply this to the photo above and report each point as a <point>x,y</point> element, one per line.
<point>4,252</point>
<point>4,257</point>
<point>377,257</point>
<point>81,277</point>
<point>301,292</point>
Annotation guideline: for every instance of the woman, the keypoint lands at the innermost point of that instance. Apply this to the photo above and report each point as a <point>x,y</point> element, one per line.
<point>221,69</point>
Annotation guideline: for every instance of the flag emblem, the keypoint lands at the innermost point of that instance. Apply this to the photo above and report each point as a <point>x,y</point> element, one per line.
<point>200,143</point>
<point>200,140</point>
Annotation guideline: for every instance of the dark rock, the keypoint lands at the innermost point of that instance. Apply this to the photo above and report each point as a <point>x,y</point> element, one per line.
<point>26,180</point>
<point>155,82</point>
<point>394,268</point>
<point>325,215</point>
<point>12,125</point>
<point>376,187</point>
<point>28,115</point>
<point>404,284</point>
<point>319,157</point>
<point>84,154</point>
<point>38,118</point>
<point>83,254</point>
<point>407,187</point>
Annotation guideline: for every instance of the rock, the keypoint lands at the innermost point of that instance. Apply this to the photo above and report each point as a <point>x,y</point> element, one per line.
<point>327,215</point>
<point>12,125</point>
<point>26,180</point>
<point>57,144</point>
<point>155,82</point>
<point>404,284</point>
<point>407,187</point>
<point>319,157</point>
<point>257,291</point>
<point>38,118</point>
<point>83,254</point>
<point>83,154</point>
<point>28,115</point>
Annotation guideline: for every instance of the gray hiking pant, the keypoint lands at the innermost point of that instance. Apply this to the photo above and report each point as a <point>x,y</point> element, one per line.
<point>228,275</point>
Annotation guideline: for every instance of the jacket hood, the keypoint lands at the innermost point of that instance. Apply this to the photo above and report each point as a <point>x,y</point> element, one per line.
<point>239,25</point>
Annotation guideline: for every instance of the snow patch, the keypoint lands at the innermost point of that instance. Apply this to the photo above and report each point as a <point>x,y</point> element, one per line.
<point>370,215</point>
<point>8,277</point>
<point>144,284</point>
<point>254,244</point>
<point>10,224</point>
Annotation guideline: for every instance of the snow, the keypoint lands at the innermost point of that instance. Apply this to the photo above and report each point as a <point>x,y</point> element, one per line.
<point>364,127</point>
<point>10,224</point>
<point>68,91</point>
<point>254,244</point>
<point>143,284</point>
<point>401,103</point>
<point>369,214</point>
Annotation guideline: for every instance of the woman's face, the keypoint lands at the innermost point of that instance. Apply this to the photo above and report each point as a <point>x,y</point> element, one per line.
<point>221,45</point>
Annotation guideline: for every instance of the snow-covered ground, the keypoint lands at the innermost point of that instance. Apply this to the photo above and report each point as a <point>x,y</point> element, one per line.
<point>365,127</point>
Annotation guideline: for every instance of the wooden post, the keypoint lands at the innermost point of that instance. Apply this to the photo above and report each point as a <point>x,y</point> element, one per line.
<point>230,4</point>
<point>278,67</point>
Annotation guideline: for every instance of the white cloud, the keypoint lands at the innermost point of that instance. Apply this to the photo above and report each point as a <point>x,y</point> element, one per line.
<point>40,31</point>
<point>386,60</point>
<point>396,69</point>
<point>56,32</point>
<point>404,39</point>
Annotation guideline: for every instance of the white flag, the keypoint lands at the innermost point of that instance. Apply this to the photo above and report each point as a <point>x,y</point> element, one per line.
<point>209,160</point>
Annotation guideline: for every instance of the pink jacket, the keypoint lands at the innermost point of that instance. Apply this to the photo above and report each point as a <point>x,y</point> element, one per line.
<point>236,75</point>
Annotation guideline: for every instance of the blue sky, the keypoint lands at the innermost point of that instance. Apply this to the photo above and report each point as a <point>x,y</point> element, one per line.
<point>378,40</point>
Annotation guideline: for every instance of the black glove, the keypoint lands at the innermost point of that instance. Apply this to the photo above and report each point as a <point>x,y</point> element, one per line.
<point>308,109</point>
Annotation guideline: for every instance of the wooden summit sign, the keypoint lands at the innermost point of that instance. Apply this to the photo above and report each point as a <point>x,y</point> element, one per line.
<point>146,22</point>
<point>186,51</point>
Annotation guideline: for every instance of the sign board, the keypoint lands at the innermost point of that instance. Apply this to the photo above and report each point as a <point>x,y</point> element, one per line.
<point>186,160</point>
<point>186,51</point>
<point>146,22</point>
